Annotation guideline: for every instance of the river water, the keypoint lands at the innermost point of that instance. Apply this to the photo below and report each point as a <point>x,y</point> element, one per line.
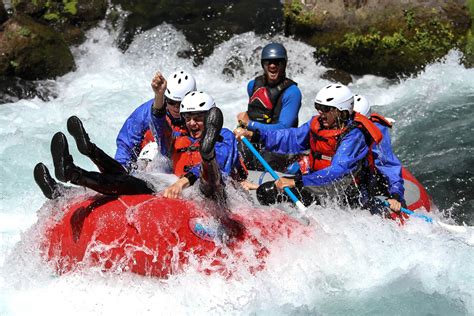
<point>355,264</point>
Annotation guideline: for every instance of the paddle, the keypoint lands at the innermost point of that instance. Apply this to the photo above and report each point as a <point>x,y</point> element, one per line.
<point>272,173</point>
<point>452,228</point>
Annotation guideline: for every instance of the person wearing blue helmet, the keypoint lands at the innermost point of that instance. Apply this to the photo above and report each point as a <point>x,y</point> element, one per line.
<point>274,103</point>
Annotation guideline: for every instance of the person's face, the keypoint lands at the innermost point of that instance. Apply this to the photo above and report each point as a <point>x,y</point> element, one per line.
<point>195,123</point>
<point>274,69</point>
<point>328,115</point>
<point>173,107</point>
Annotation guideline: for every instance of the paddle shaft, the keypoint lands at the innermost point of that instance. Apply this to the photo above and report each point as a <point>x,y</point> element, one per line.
<point>272,172</point>
<point>407,211</point>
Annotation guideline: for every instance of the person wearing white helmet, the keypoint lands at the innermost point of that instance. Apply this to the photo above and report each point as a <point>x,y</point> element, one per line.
<point>203,150</point>
<point>388,179</point>
<point>135,132</point>
<point>274,103</point>
<point>338,139</point>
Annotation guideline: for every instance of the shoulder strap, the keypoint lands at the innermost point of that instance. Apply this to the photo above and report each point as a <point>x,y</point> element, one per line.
<point>375,117</point>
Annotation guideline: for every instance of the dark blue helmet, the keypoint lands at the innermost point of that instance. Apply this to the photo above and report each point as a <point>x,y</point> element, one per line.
<point>274,51</point>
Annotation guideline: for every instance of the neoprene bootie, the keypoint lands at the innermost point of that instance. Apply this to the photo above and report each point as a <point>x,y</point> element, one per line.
<point>104,162</point>
<point>63,162</point>
<point>76,129</point>
<point>47,184</point>
<point>213,126</point>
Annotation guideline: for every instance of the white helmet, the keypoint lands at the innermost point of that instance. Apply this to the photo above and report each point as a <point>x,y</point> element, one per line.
<point>148,152</point>
<point>336,95</point>
<point>197,101</point>
<point>361,105</point>
<point>178,84</point>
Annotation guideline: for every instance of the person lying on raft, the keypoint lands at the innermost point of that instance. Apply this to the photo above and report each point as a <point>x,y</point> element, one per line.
<point>388,179</point>
<point>135,133</point>
<point>206,152</point>
<point>339,141</point>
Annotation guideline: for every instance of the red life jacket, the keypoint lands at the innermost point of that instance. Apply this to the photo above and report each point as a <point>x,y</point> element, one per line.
<point>324,142</point>
<point>184,155</point>
<point>148,135</point>
<point>377,118</point>
<point>265,102</point>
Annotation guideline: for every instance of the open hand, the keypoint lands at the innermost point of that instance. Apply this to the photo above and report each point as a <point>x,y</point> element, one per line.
<point>176,189</point>
<point>394,205</point>
<point>284,182</point>
<point>247,185</point>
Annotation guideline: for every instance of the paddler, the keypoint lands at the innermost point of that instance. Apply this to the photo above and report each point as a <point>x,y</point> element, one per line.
<point>205,151</point>
<point>388,179</point>
<point>339,141</point>
<point>135,133</point>
<point>274,103</point>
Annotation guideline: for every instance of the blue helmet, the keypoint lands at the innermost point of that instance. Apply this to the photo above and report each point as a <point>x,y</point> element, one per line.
<point>274,51</point>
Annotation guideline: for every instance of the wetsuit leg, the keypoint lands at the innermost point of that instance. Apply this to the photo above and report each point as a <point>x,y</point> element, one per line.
<point>268,194</point>
<point>104,162</point>
<point>109,184</point>
<point>211,184</point>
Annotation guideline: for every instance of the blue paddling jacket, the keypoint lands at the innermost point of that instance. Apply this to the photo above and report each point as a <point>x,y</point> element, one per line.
<point>387,164</point>
<point>132,133</point>
<point>351,151</point>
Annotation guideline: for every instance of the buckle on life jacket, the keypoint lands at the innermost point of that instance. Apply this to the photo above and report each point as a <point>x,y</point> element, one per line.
<point>319,156</point>
<point>190,148</point>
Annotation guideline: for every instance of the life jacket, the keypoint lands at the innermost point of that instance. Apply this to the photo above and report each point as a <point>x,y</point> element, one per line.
<point>377,118</point>
<point>324,142</point>
<point>265,102</point>
<point>184,154</point>
<point>148,135</point>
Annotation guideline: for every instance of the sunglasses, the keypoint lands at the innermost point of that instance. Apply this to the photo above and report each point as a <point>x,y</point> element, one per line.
<point>197,117</point>
<point>322,108</point>
<point>172,102</point>
<point>277,62</point>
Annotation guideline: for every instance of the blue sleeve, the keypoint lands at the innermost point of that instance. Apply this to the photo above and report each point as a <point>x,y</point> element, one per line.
<point>131,134</point>
<point>288,140</point>
<point>352,149</point>
<point>227,155</point>
<point>250,87</point>
<point>388,164</point>
<point>290,107</point>
<point>162,133</point>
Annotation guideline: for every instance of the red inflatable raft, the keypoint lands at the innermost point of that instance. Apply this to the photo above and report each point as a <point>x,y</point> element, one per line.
<point>152,235</point>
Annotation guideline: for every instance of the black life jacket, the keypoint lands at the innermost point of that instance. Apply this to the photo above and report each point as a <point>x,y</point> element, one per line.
<point>265,102</point>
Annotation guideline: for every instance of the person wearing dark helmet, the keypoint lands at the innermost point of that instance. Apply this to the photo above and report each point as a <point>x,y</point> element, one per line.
<point>206,151</point>
<point>274,103</point>
<point>339,141</point>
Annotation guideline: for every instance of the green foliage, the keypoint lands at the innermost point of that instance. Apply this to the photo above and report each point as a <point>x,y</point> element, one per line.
<point>23,31</point>
<point>51,16</point>
<point>70,6</point>
<point>295,11</point>
<point>410,18</point>
<point>14,64</point>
